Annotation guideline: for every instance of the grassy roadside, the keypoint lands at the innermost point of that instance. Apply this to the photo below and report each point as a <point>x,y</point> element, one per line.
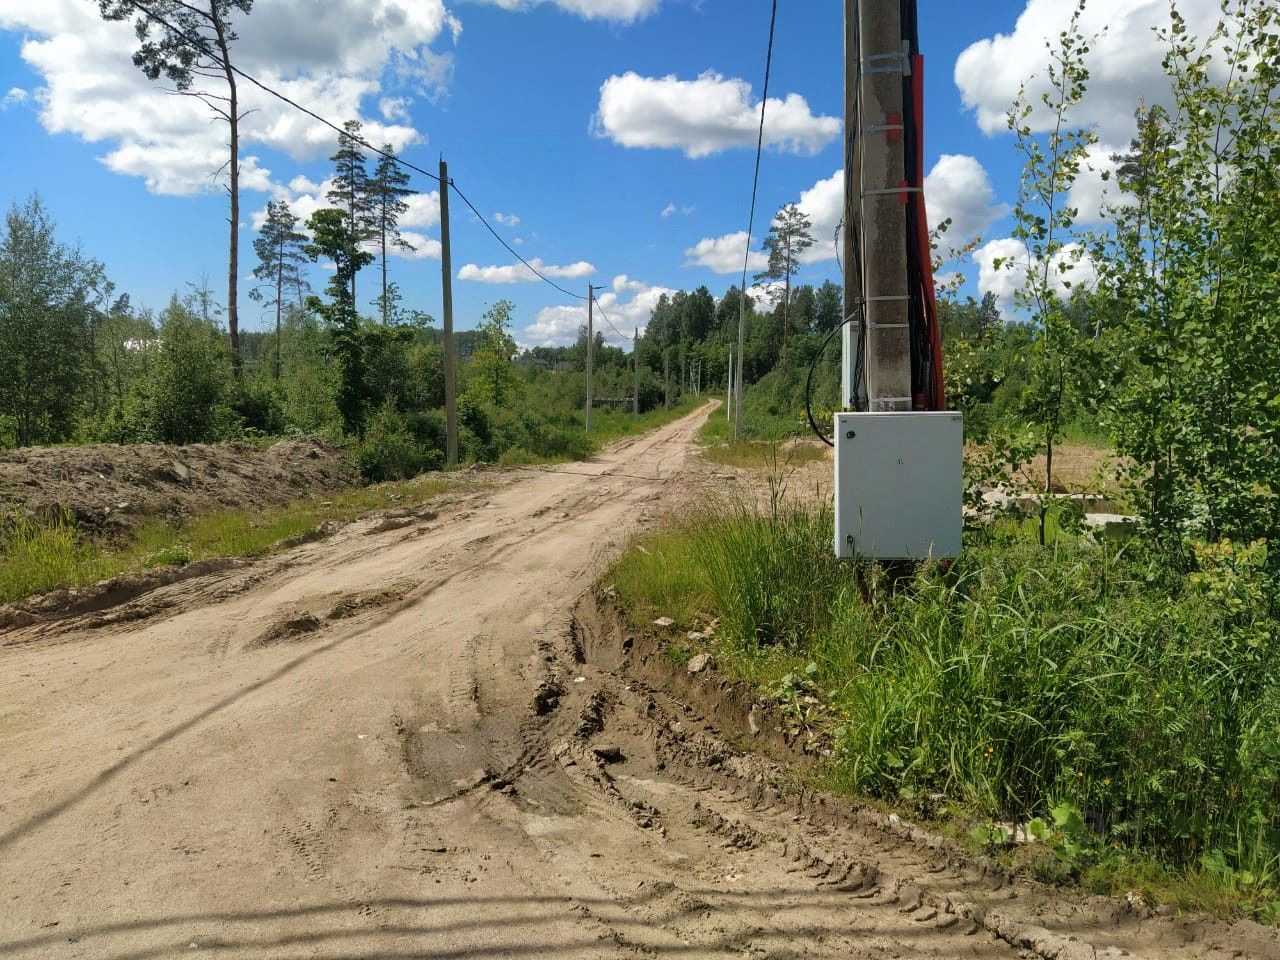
<point>607,426</point>
<point>758,452</point>
<point>38,557</point>
<point>1124,716</point>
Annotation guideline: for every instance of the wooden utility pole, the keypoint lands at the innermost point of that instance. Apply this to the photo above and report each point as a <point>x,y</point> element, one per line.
<point>450,371</point>
<point>635,371</point>
<point>874,111</point>
<point>591,345</point>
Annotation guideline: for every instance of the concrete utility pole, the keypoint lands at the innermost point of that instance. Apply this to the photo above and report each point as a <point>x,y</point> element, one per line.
<point>635,372</point>
<point>728,399</point>
<point>450,361</point>
<point>666,379</point>
<point>876,63</point>
<point>737,371</point>
<point>591,345</point>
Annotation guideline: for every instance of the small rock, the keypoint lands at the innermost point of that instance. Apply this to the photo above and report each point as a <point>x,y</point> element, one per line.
<point>753,720</point>
<point>608,753</point>
<point>701,662</point>
<point>664,622</point>
<point>894,820</point>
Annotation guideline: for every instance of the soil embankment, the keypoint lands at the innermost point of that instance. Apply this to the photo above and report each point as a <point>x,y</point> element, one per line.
<point>111,489</point>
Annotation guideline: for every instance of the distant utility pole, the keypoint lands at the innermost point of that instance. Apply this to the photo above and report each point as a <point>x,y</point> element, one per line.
<point>737,371</point>
<point>450,362</point>
<point>728,399</point>
<point>591,345</point>
<point>635,370</point>
<point>666,379</point>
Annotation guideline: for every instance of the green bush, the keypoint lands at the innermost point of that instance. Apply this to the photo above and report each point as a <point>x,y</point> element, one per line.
<point>259,407</point>
<point>389,451</point>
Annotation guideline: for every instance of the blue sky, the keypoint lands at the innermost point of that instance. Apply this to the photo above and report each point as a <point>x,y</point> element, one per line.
<point>514,95</point>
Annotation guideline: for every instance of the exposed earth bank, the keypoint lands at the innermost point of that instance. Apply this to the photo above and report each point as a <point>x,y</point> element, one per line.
<point>111,489</point>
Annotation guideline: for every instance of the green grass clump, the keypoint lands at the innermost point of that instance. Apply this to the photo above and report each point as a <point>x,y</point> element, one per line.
<point>1019,682</point>
<point>36,557</point>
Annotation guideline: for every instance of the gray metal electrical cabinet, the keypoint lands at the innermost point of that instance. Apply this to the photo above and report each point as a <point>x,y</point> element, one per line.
<point>899,485</point>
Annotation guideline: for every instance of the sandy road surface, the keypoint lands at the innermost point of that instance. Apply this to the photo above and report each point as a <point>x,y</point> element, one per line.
<point>383,745</point>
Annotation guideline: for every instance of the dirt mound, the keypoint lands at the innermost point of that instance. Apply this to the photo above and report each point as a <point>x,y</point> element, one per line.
<point>111,489</point>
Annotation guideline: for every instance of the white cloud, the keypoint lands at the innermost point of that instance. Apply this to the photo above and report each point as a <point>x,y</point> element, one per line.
<point>1095,188</point>
<point>668,210</point>
<point>519,273</point>
<point>623,11</point>
<point>1124,61</point>
<point>704,116</point>
<point>958,188</point>
<point>14,98</point>
<point>424,247</point>
<point>507,219</point>
<point>558,326</point>
<point>394,109</point>
<point>823,204</point>
<point>1003,265</point>
<point>92,90</point>
<point>724,254</point>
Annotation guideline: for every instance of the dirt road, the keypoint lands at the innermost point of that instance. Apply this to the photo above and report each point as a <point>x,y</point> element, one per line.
<point>391,744</point>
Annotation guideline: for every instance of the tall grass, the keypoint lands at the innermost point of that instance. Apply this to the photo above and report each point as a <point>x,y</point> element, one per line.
<point>37,557</point>
<point>1019,679</point>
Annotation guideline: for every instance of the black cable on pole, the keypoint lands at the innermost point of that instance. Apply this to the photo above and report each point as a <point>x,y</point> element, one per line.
<point>813,365</point>
<point>199,44</point>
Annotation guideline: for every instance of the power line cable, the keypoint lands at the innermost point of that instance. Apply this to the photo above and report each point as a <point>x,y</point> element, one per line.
<point>751,223</point>
<point>537,273</point>
<point>605,316</point>
<point>199,44</point>
<point>755,184</point>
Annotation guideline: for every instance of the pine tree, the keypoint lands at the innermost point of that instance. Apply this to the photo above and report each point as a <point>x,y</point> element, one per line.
<point>351,187</point>
<point>333,240</point>
<point>387,192</point>
<point>166,31</point>
<point>280,257</point>
<point>788,238</point>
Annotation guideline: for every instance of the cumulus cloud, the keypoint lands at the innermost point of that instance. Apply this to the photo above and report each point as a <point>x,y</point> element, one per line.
<point>724,254</point>
<point>958,187</point>
<point>1124,62</point>
<point>507,219</point>
<point>704,116</point>
<point>519,273</point>
<point>1003,266</point>
<point>14,98</point>
<point>629,305</point>
<point>92,90</point>
<point>622,11</point>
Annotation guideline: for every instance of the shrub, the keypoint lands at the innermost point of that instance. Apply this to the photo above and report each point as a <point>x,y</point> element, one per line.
<point>388,451</point>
